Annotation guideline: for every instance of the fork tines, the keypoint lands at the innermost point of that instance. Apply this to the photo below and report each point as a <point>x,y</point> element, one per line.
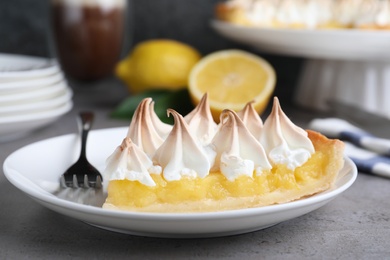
<point>75,183</point>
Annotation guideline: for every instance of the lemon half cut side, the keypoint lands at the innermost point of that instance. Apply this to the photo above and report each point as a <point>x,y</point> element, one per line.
<point>232,78</point>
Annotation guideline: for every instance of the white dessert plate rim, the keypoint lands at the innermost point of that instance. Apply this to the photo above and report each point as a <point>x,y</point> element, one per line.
<point>340,44</point>
<point>38,180</point>
<point>25,66</point>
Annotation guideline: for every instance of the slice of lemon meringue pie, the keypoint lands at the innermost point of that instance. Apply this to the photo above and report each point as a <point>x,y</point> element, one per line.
<point>199,166</point>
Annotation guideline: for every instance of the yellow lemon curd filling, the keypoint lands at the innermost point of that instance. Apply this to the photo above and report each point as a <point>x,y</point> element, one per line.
<point>215,192</point>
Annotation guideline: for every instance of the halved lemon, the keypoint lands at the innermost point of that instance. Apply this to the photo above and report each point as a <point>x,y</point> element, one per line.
<point>232,78</point>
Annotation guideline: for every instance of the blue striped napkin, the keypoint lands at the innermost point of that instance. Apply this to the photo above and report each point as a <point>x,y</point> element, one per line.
<point>368,152</point>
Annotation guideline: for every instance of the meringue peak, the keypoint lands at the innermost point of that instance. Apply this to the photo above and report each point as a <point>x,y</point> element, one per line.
<point>162,128</point>
<point>146,130</point>
<point>284,142</point>
<point>238,151</point>
<point>128,161</point>
<point>201,122</point>
<point>181,154</point>
<point>251,119</point>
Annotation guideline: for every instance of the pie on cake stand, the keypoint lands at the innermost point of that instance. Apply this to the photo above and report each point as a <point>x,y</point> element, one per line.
<point>348,66</point>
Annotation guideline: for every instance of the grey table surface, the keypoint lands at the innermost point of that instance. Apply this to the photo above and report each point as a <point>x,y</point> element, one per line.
<point>355,225</point>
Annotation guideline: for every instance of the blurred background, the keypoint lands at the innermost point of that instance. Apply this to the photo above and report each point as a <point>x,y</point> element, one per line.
<point>24,25</point>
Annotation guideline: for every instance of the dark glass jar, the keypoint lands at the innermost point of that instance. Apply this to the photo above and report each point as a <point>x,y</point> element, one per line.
<point>88,35</point>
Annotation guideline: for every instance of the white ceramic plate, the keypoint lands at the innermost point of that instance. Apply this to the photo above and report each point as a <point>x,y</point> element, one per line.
<point>325,44</point>
<point>15,67</point>
<point>36,106</point>
<point>35,171</point>
<point>33,95</point>
<point>13,127</point>
<point>28,84</point>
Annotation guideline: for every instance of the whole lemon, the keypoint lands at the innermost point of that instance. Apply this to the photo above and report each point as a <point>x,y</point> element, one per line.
<point>157,64</point>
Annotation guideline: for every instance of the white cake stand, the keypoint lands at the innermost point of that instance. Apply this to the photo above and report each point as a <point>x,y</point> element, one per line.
<point>347,66</point>
<point>364,84</point>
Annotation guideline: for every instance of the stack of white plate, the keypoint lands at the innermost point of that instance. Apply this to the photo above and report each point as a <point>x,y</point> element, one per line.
<point>33,93</point>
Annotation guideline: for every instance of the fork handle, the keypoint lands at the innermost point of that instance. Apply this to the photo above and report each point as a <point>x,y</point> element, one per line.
<point>86,119</point>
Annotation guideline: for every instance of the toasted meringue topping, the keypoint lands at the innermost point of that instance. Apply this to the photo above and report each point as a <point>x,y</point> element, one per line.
<point>251,120</point>
<point>241,144</point>
<point>129,162</point>
<point>181,154</point>
<point>238,151</point>
<point>146,129</point>
<point>370,13</point>
<point>201,122</point>
<point>344,14</point>
<point>268,10</point>
<point>314,14</point>
<point>290,12</point>
<point>284,142</point>
<point>161,128</point>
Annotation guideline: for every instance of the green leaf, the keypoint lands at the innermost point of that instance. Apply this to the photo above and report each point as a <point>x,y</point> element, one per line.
<point>127,107</point>
<point>164,99</point>
<point>178,100</point>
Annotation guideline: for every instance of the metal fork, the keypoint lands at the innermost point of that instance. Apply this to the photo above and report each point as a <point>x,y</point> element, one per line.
<point>82,173</point>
